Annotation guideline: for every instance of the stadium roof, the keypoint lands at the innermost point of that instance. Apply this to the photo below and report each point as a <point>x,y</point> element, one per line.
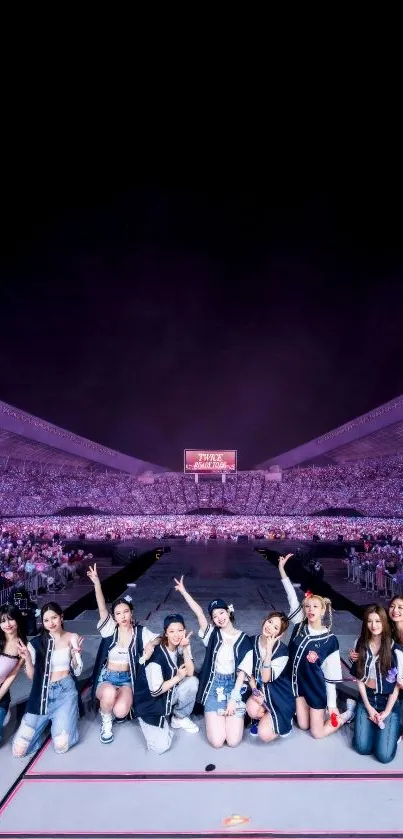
<point>26,438</point>
<point>376,434</point>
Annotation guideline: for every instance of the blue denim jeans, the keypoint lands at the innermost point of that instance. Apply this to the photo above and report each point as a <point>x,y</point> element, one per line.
<point>62,714</point>
<point>368,737</point>
<point>3,714</point>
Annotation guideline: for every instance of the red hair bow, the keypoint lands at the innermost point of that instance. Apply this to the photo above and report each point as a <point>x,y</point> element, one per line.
<point>308,594</point>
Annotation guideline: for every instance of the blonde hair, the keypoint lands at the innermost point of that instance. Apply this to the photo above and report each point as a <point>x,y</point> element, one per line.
<point>326,604</point>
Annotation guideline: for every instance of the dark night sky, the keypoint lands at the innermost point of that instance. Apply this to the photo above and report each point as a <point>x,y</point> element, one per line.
<point>152,313</point>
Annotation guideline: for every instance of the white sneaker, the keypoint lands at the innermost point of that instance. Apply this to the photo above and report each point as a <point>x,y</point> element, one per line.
<point>186,723</point>
<point>106,735</point>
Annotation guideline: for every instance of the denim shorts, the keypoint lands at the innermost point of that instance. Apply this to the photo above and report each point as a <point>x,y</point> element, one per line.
<point>115,678</point>
<point>220,694</point>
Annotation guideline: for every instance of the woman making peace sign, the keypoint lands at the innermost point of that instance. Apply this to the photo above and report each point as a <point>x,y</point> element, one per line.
<point>227,665</point>
<point>168,687</point>
<point>124,644</point>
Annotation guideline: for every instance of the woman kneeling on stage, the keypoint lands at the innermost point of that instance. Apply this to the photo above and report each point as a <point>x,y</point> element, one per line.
<point>379,672</point>
<point>272,704</point>
<point>115,671</point>
<point>314,664</point>
<point>52,661</point>
<point>167,690</point>
<point>227,665</point>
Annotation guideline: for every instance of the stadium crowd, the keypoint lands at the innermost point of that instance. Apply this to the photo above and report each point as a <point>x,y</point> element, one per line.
<point>373,487</point>
<point>203,527</point>
<point>251,504</point>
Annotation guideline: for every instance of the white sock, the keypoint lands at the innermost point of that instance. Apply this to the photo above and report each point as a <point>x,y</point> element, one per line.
<point>348,715</point>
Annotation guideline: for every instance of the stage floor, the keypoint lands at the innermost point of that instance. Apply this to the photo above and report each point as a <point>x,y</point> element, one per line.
<point>296,787</point>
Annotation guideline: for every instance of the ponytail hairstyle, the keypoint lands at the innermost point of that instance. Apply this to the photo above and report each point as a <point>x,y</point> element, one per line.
<point>385,651</point>
<point>284,622</point>
<point>326,604</point>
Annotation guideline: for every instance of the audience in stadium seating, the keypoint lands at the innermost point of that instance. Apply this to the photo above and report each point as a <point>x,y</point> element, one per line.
<point>202,528</point>
<point>248,503</point>
<point>373,487</point>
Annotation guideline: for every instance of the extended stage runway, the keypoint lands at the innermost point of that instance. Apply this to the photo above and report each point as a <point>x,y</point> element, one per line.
<point>296,788</point>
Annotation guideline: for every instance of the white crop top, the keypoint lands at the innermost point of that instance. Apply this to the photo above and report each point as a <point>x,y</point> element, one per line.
<point>118,655</point>
<point>60,660</point>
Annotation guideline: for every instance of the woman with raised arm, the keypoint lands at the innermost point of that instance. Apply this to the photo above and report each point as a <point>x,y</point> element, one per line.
<point>271,705</point>
<point>125,644</point>
<point>227,665</point>
<point>314,664</point>
<point>379,671</point>
<point>168,692</point>
<point>11,632</point>
<point>53,663</point>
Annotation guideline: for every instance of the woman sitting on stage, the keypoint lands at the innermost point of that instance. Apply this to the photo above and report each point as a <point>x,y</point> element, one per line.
<point>272,703</point>
<point>379,671</point>
<point>52,661</point>
<point>314,664</point>
<point>227,664</point>
<point>11,632</point>
<point>117,662</point>
<point>169,690</point>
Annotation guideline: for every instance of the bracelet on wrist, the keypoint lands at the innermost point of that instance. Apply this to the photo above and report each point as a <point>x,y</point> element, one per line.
<point>266,666</point>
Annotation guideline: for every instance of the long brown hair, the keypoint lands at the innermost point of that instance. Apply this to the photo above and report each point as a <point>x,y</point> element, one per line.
<point>385,651</point>
<point>393,627</point>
